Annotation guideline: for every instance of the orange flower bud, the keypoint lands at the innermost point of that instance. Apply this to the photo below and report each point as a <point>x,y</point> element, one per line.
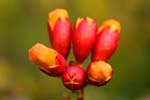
<point>49,61</point>
<point>59,27</point>
<point>107,40</point>
<point>83,38</point>
<point>99,73</point>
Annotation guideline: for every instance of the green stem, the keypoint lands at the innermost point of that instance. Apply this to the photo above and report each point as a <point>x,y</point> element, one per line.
<point>80,95</point>
<point>66,96</point>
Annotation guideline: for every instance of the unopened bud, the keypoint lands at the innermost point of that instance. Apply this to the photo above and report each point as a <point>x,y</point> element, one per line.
<point>74,78</point>
<point>59,27</point>
<point>99,73</point>
<point>83,38</point>
<point>107,40</point>
<point>49,60</point>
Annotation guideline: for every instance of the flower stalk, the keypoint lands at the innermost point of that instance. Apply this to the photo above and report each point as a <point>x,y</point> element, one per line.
<point>80,94</point>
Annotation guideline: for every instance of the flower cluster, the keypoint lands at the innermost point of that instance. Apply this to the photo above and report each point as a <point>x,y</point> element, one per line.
<point>85,38</point>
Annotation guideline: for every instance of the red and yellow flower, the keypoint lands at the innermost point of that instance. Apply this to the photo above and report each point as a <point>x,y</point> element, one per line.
<point>49,60</point>
<point>59,28</point>
<point>107,40</point>
<point>83,38</point>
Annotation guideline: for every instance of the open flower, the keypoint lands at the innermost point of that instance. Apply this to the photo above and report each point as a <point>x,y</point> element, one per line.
<point>99,73</point>
<point>49,60</point>
<point>83,38</point>
<point>59,27</point>
<point>74,78</point>
<point>107,40</point>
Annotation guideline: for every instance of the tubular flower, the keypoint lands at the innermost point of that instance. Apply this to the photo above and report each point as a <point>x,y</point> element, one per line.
<point>74,78</point>
<point>83,38</point>
<point>99,73</point>
<point>49,60</point>
<point>107,40</point>
<point>59,27</point>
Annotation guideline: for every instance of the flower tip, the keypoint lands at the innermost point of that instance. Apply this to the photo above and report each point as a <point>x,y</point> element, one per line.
<point>113,24</point>
<point>79,20</point>
<point>42,55</point>
<point>89,20</point>
<point>55,15</point>
<point>35,51</point>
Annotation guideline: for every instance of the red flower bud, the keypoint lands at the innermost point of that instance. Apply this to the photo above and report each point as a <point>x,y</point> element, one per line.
<point>74,78</point>
<point>99,73</point>
<point>59,27</point>
<point>84,37</point>
<point>49,61</point>
<point>107,40</point>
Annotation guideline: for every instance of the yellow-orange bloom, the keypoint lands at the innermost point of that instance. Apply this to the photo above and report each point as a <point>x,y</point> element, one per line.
<point>99,73</point>
<point>49,60</point>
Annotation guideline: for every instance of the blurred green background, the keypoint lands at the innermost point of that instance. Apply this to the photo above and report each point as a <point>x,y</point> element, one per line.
<point>24,22</point>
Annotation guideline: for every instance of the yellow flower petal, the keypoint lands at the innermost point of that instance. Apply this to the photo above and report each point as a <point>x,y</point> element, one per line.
<point>114,25</point>
<point>55,15</point>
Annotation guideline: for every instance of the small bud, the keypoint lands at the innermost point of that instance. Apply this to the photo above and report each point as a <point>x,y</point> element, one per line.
<point>107,40</point>
<point>72,63</point>
<point>74,78</point>
<point>99,73</point>
<point>83,38</point>
<point>49,61</point>
<point>59,27</point>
